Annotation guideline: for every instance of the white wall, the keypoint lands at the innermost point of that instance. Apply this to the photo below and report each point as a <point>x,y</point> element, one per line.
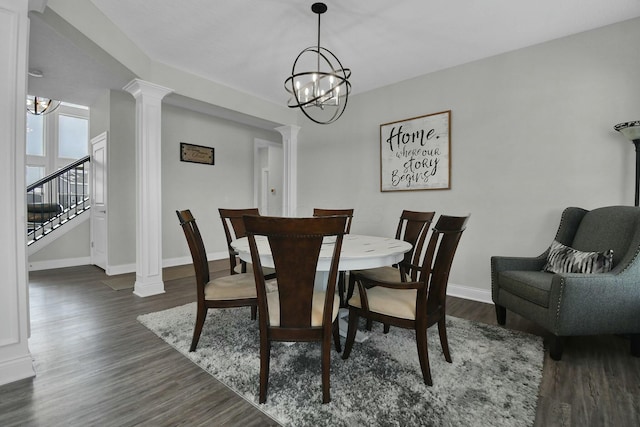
<point>72,248</point>
<point>531,133</point>
<point>205,188</point>
<point>121,192</point>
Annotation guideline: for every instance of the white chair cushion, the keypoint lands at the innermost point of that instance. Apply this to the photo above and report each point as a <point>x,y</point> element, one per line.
<point>236,286</point>
<point>317,308</point>
<point>381,274</point>
<point>392,302</point>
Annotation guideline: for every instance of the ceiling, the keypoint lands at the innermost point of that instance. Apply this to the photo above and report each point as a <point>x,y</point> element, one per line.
<point>250,45</point>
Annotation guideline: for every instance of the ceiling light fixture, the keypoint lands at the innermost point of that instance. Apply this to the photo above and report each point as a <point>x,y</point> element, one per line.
<point>38,105</point>
<point>35,73</point>
<point>321,93</point>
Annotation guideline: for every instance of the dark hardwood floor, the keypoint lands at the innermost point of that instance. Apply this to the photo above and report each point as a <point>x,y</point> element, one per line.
<point>96,365</point>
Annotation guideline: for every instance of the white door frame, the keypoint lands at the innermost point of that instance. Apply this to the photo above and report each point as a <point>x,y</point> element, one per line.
<point>99,208</point>
<point>264,192</point>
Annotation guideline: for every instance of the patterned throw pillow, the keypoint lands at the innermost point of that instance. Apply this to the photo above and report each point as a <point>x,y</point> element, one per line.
<point>564,259</point>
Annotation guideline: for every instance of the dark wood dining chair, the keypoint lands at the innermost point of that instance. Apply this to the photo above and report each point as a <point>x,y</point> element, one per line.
<point>296,311</point>
<point>234,229</point>
<point>412,304</point>
<point>342,275</point>
<point>413,228</point>
<point>238,290</point>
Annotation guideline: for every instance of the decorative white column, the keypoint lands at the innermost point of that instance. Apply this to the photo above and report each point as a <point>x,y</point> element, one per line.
<point>15,358</point>
<point>148,186</point>
<point>290,178</point>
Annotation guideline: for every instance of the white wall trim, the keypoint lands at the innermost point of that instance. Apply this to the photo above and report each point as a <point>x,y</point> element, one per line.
<point>16,369</point>
<point>467,292</point>
<point>290,179</point>
<point>59,263</point>
<point>259,144</point>
<point>113,270</point>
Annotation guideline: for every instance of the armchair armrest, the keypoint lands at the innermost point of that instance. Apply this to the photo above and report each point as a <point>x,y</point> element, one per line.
<point>503,263</point>
<point>590,304</point>
<point>369,283</point>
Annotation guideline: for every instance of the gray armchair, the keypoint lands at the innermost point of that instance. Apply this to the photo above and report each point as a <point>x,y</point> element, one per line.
<point>571,304</point>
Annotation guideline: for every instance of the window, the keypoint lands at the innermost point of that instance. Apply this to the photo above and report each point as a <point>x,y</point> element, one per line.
<point>55,140</point>
<point>34,173</point>
<point>35,135</point>
<point>72,137</point>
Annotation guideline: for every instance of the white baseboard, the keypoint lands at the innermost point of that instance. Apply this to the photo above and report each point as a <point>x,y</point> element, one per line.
<point>460,291</point>
<point>58,263</point>
<point>172,262</point>
<point>467,292</point>
<point>16,369</point>
<point>113,270</point>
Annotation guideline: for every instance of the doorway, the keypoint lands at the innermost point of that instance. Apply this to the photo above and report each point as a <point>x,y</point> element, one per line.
<point>268,177</point>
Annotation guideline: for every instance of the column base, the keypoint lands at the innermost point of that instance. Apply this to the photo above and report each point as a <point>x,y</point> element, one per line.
<point>148,289</point>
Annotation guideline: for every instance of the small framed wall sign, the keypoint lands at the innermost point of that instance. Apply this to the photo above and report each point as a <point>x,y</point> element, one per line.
<point>415,154</point>
<point>196,154</point>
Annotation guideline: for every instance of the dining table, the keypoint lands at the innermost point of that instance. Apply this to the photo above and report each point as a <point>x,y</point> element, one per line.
<point>358,252</point>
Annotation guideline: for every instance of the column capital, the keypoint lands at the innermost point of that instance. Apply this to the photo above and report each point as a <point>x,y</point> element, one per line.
<point>141,88</point>
<point>289,131</point>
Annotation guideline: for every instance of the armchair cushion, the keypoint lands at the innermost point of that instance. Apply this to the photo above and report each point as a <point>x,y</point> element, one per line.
<point>565,259</point>
<point>532,286</point>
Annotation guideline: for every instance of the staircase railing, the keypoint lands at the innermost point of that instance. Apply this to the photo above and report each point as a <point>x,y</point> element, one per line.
<point>57,198</point>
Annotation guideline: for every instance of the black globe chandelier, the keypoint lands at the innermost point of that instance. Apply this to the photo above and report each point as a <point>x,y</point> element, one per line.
<point>322,92</point>
<point>38,105</point>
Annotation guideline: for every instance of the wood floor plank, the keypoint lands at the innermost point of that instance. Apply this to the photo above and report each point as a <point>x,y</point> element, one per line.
<point>96,365</point>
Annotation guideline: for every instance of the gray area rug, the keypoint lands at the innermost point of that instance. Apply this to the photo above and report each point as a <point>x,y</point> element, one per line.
<point>493,380</point>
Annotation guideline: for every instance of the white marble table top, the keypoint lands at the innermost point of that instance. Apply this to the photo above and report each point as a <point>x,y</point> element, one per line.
<point>358,252</point>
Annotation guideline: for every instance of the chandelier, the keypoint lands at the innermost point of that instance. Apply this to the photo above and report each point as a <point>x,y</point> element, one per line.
<point>322,92</point>
<point>38,105</point>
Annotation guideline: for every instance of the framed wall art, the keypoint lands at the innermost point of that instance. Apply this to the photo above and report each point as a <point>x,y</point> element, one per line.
<point>196,154</point>
<point>415,154</point>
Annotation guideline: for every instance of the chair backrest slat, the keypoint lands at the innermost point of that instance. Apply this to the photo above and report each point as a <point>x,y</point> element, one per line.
<point>234,229</point>
<point>413,228</point>
<point>197,249</point>
<point>439,256</point>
